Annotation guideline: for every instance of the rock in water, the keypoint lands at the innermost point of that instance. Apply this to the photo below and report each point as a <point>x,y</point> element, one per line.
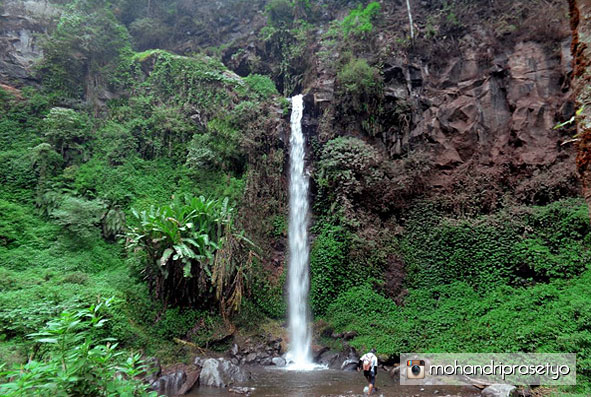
<point>498,390</point>
<point>278,362</point>
<point>241,390</point>
<point>221,373</point>
<point>170,383</point>
<point>349,365</point>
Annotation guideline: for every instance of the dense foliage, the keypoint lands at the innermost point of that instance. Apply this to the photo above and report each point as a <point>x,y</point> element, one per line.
<point>73,359</point>
<point>521,247</point>
<point>72,171</point>
<point>190,249</point>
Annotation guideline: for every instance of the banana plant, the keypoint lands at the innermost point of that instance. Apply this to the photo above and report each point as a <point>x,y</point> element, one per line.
<point>180,241</point>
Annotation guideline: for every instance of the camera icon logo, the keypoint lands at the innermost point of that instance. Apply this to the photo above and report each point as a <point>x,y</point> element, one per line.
<point>415,369</point>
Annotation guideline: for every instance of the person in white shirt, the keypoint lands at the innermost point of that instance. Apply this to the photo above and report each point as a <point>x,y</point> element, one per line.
<point>369,363</point>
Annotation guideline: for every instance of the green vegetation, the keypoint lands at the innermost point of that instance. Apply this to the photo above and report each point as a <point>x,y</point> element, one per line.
<point>359,22</point>
<point>360,85</point>
<point>77,179</point>
<point>329,271</point>
<point>189,248</point>
<point>360,95</point>
<point>75,358</point>
<point>518,247</point>
<point>88,41</point>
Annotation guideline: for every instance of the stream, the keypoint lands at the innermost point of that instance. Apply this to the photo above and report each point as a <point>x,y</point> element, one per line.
<point>276,382</point>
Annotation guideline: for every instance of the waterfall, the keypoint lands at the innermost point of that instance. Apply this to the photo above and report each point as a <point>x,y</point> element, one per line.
<point>412,30</point>
<point>298,277</point>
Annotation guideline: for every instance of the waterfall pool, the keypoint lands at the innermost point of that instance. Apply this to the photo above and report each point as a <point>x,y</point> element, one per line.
<point>277,382</point>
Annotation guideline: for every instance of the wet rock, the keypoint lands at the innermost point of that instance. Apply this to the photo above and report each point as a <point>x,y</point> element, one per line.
<point>251,357</point>
<point>266,361</point>
<point>498,390</point>
<point>192,379</point>
<point>169,383</point>
<point>176,380</point>
<point>349,365</point>
<point>21,25</point>
<point>153,370</point>
<point>221,373</point>
<point>278,361</point>
<point>329,358</point>
<point>318,352</point>
<point>395,371</point>
<point>241,390</point>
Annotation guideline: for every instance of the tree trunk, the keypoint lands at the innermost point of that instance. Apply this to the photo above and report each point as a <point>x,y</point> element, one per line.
<point>580,14</point>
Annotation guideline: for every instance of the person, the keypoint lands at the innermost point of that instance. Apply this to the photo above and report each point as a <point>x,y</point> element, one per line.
<point>369,363</point>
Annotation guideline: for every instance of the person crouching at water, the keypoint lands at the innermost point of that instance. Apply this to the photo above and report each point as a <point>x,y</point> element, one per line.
<point>369,363</point>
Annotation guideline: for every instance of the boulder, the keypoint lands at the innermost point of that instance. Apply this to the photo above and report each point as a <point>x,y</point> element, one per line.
<point>241,390</point>
<point>221,373</point>
<point>278,361</point>
<point>266,361</point>
<point>192,378</point>
<point>349,364</point>
<point>329,358</point>
<point>498,390</point>
<point>169,383</point>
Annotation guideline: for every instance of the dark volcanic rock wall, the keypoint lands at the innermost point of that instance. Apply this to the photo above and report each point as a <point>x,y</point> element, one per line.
<point>482,102</point>
<point>581,47</point>
<point>20,24</point>
<point>478,99</point>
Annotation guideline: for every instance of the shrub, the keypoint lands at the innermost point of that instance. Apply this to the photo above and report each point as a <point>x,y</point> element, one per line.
<point>67,131</point>
<point>360,86</point>
<point>78,216</point>
<point>193,254</point>
<point>454,318</point>
<point>216,148</point>
<point>352,174</point>
<point>75,361</point>
<point>261,85</point>
<point>518,247</point>
<point>359,22</point>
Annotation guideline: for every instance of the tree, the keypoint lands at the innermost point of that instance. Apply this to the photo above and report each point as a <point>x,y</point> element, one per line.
<point>67,131</point>
<point>78,216</point>
<point>87,38</point>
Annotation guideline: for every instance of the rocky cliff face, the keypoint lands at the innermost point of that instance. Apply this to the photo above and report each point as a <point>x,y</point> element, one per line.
<point>21,23</point>
<point>581,30</point>
<point>467,110</point>
<point>483,109</point>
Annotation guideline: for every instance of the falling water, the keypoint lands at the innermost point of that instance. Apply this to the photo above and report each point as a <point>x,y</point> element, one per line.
<point>299,280</point>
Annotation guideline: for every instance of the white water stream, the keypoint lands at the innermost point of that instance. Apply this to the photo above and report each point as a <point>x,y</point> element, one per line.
<point>298,356</point>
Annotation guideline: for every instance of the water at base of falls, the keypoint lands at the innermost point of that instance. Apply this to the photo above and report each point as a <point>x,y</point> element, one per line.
<point>299,356</point>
